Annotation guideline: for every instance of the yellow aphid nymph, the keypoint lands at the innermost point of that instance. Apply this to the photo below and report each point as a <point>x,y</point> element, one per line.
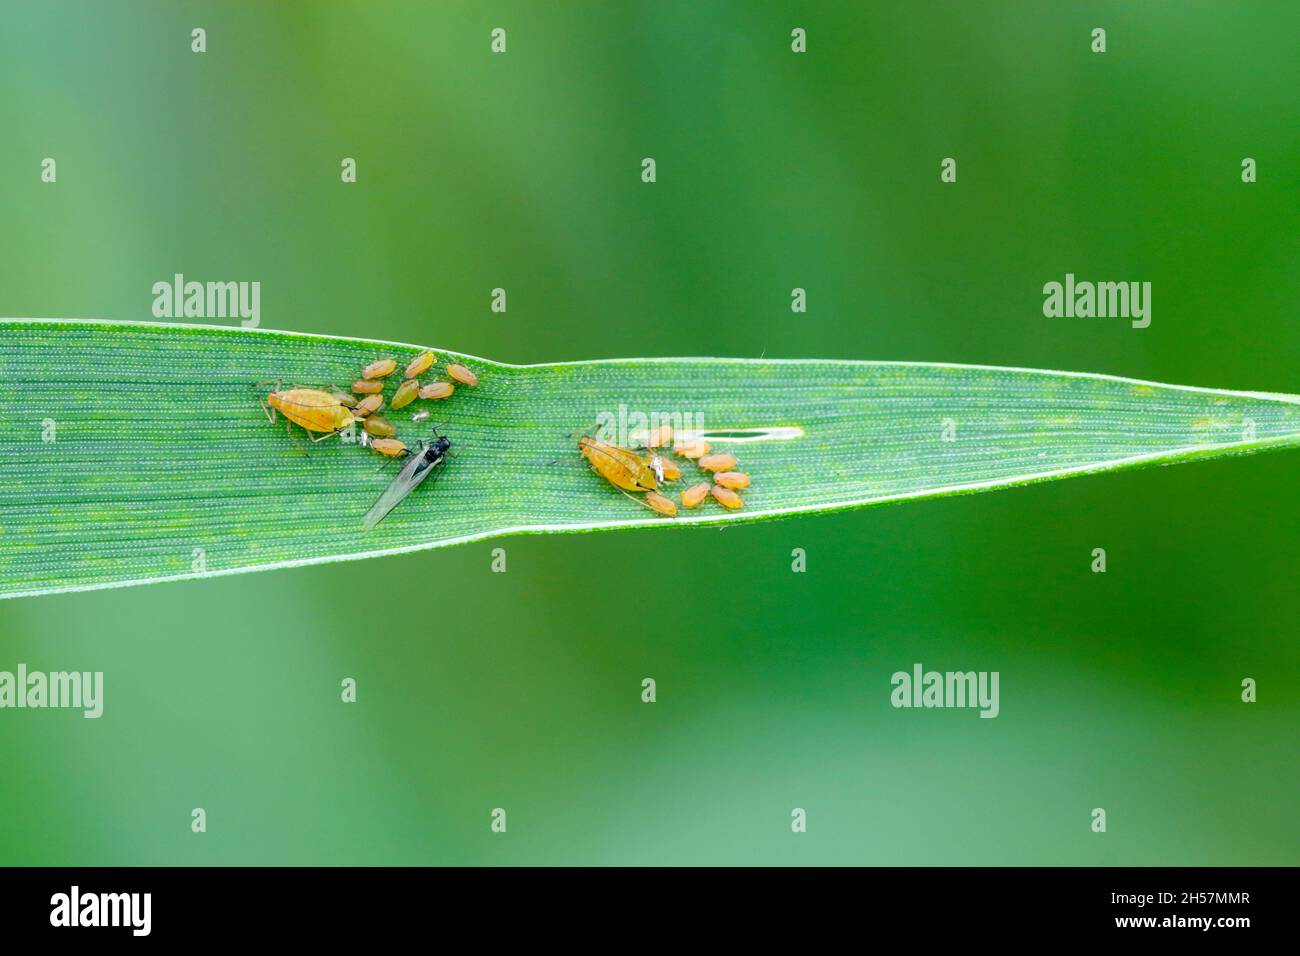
<point>405,393</point>
<point>693,448</point>
<point>665,468</point>
<point>380,427</point>
<point>724,461</point>
<point>726,497</point>
<point>692,496</point>
<point>437,390</point>
<point>389,447</point>
<point>463,375</point>
<point>420,364</point>
<point>665,506</point>
<point>380,368</point>
<point>732,479</point>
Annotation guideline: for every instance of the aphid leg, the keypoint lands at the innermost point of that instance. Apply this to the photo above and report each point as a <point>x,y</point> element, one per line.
<point>641,501</point>
<point>295,440</point>
<point>316,441</point>
<point>417,446</point>
<point>261,399</point>
<point>390,462</point>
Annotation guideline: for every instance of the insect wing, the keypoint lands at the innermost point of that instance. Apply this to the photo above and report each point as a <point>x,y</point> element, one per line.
<point>617,459</point>
<point>408,479</point>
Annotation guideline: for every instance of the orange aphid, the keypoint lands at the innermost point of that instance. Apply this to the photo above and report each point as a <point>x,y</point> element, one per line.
<point>725,461</point>
<point>671,470</point>
<point>379,368</point>
<point>659,436</point>
<point>392,447</point>
<point>366,387</point>
<point>437,390</point>
<point>692,496</point>
<point>659,503</point>
<point>621,467</point>
<point>463,375</point>
<point>726,497</point>
<point>368,406</point>
<point>405,393</point>
<point>732,479</point>
<point>695,448</point>
<point>420,364</point>
<point>311,408</point>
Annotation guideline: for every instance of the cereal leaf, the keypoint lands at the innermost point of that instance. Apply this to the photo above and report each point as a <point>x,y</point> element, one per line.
<point>134,453</point>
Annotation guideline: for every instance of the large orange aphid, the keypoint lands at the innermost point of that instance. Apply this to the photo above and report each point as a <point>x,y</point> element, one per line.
<point>311,408</point>
<point>621,467</point>
<point>692,448</point>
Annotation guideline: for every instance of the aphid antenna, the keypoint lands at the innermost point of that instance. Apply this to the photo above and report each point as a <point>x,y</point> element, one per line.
<point>294,440</point>
<point>591,429</point>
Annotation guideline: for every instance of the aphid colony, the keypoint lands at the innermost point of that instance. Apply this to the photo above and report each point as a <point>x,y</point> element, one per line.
<point>323,412</point>
<point>647,469</point>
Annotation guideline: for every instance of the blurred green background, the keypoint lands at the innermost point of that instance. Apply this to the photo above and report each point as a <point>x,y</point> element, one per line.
<point>775,170</point>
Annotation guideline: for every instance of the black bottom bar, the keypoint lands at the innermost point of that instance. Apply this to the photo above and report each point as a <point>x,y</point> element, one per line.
<point>335,905</point>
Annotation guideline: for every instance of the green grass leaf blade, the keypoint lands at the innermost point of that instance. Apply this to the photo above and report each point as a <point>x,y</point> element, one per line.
<point>162,453</point>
